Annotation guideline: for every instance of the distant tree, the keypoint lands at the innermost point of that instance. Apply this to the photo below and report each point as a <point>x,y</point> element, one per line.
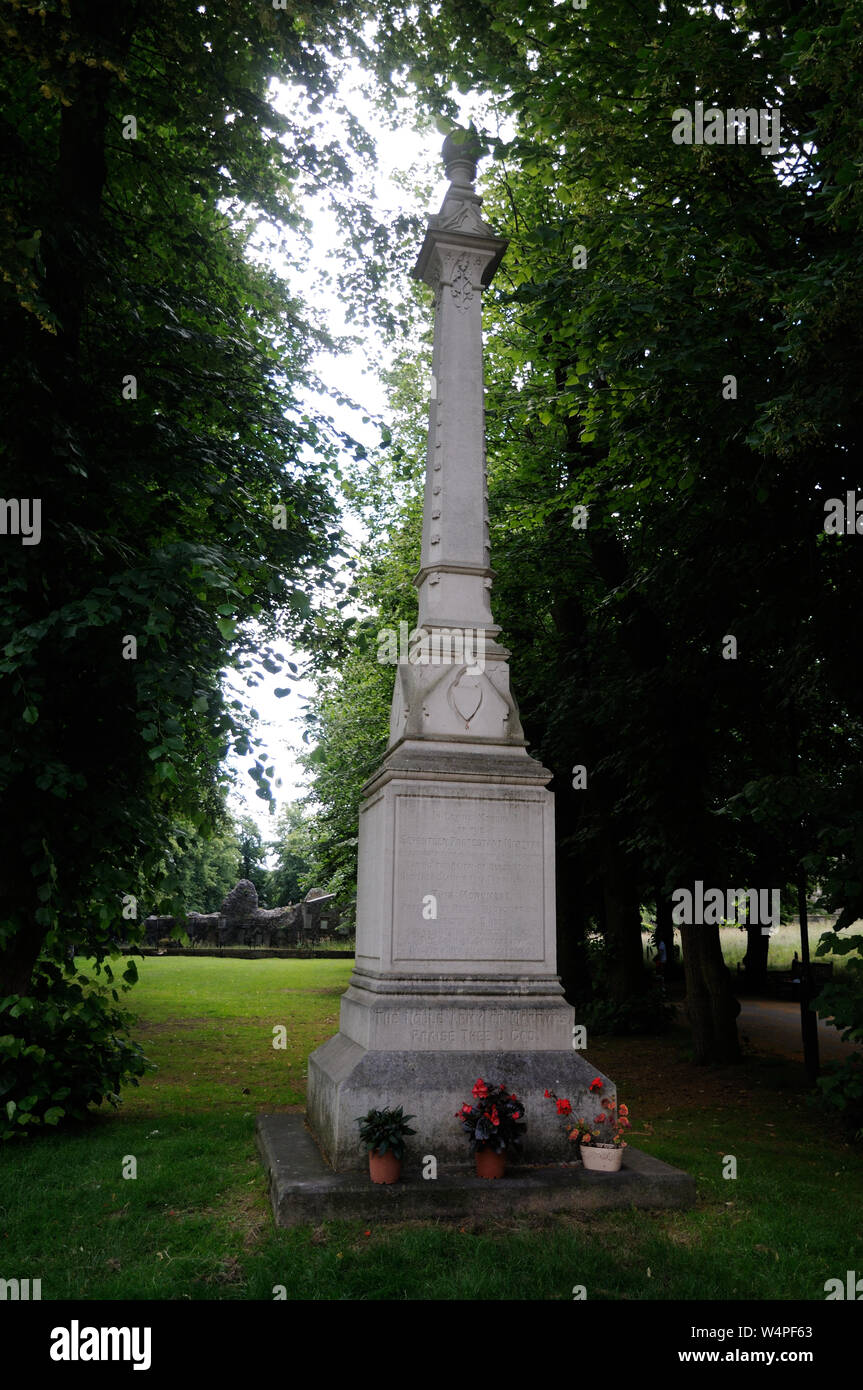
<point>291,849</point>
<point>205,865</point>
<point>251,853</point>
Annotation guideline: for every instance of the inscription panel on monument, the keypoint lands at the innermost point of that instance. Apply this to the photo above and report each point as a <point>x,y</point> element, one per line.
<point>477,862</point>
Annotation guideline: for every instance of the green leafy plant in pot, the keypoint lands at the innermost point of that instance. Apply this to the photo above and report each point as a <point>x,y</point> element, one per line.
<point>383,1134</point>
<point>493,1125</point>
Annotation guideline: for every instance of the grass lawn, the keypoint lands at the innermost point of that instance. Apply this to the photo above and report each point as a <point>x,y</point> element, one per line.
<point>196,1222</point>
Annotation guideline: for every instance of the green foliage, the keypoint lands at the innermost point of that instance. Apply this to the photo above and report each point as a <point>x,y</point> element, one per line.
<point>644,1012</point>
<point>840,1001</point>
<point>61,1049</point>
<point>157,404</point>
<point>605,389</point>
<point>289,879</point>
<point>205,866</point>
<point>385,1129</point>
<point>250,862</point>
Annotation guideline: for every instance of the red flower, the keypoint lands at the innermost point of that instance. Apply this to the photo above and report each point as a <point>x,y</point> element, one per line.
<point>624,1110</point>
<point>480,1090</point>
<point>549,1096</point>
<point>596,1084</point>
<point>493,1116</point>
<point>466,1109</point>
<point>564,1107</point>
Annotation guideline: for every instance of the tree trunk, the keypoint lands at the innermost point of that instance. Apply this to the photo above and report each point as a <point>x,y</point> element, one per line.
<point>710,1003</point>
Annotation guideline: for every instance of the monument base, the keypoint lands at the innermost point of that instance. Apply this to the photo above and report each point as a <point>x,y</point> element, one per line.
<point>346,1080</point>
<point>304,1191</point>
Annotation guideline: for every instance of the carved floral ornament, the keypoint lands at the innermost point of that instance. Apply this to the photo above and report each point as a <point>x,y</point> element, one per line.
<point>462,271</point>
<point>461,287</point>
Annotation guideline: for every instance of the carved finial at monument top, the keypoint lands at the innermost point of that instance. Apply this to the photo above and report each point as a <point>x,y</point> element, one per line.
<point>462,151</point>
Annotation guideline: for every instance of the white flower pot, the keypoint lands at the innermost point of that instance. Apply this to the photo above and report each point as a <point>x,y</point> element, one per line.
<point>602,1158</point>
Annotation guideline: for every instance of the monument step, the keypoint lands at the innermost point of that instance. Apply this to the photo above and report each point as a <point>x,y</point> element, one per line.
<point>304,1189</point>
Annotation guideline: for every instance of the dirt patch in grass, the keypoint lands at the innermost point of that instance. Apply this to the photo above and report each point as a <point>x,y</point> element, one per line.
<point>251,1218</point>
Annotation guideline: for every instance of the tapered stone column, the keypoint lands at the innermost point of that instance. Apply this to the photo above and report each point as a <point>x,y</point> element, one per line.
<point>455,972</point>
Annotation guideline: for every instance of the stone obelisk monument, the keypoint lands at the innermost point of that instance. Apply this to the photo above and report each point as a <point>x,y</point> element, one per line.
<point>455,972</point>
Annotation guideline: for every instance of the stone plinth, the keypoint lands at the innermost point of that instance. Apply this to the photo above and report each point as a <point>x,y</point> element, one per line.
<point>455,970</point>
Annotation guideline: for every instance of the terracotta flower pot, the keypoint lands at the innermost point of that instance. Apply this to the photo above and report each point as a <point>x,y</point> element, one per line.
<point>602,1158</point>
<point>490,1164</point>
<point>384,1167</point>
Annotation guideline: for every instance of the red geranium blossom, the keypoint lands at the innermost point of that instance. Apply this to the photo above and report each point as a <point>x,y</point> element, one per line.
<point>480,1090</point>
<point>596,1084</point>
<point>564,1107</point>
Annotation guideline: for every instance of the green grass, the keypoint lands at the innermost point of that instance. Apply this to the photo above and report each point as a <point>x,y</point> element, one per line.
<point>783,943</point>
<point>196,1224</point>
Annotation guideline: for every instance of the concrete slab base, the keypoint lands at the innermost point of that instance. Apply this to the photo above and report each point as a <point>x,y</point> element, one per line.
<point>304,1189</point>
